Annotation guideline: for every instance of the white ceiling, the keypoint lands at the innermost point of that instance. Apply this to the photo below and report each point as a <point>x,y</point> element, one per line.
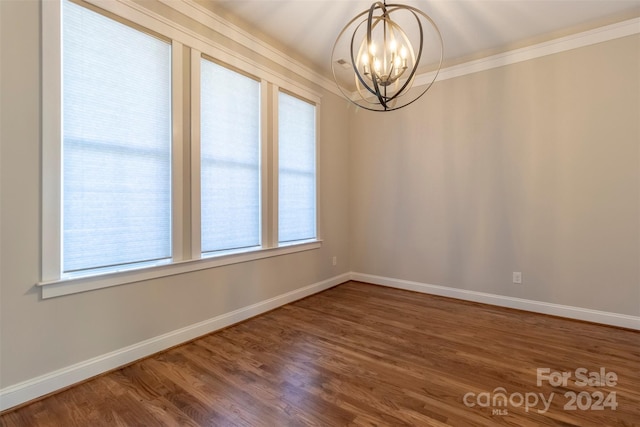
<point>308,28</point>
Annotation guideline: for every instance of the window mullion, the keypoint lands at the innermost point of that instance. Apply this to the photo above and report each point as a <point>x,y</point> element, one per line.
<point>274,165</point>
<point>265,166</point>
<point>177,169</point>
<point>196,213</point>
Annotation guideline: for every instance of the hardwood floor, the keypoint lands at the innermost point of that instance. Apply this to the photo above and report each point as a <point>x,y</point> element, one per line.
<point>360,354</point>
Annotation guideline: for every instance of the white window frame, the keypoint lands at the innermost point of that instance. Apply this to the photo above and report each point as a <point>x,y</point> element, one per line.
<point>186,254</point>
<point>269,163</point>
<point>196,191</point>
<point>275,154</point>
<point>52,147</point>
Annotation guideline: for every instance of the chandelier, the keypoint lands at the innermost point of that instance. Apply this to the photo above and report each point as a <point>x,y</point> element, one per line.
<point>384,57</point>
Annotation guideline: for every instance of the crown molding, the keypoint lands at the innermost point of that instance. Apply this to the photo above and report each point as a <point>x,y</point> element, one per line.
<point>208,18</point>
<point>562,44</point>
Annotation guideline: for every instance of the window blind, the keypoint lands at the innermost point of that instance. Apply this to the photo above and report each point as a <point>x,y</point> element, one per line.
<point>230,159</point>
<point>296,169</point>
<point>116,143</point>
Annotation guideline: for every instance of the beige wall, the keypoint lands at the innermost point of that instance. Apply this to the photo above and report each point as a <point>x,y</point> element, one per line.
<point>40,336</point>
<point>532,167</point>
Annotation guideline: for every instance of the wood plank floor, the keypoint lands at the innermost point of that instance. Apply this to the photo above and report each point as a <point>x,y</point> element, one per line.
<point>361,355</point>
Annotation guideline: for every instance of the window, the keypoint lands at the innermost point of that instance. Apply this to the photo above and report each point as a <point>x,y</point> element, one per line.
<point>116,144</point>
<point>296,169</point>
<point>230,159</point>
<point>121,200</point>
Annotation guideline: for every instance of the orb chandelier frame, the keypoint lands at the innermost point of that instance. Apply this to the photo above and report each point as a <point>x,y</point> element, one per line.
<point>383,77</point>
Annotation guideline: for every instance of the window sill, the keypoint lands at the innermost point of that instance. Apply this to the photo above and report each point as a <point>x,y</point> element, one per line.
<point>67,286</point>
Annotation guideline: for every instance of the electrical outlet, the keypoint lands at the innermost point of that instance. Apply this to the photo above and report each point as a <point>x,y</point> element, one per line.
<point>517,277</point>
<point>335,260</point>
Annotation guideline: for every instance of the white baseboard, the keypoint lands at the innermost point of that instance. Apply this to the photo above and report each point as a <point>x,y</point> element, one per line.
<point>48,383</point>
<point>53,381</point>
<point>607,318</point>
